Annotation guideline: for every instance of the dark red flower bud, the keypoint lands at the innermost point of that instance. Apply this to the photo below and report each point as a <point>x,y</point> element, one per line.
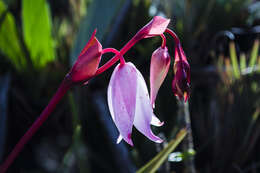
<point>181,81</point>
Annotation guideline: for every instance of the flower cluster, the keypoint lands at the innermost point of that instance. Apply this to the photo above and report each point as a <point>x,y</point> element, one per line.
<point>128,98</point>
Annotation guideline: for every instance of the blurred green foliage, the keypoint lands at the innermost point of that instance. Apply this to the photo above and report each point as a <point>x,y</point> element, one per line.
<point>10,44</point>
<point>37,31</point>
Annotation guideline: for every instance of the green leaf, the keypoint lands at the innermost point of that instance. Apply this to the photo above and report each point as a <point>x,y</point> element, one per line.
<point>254,54</point>
<point>158,160</point>
<point>37,26</point>
<point>98,16</point>
<point>233,57</point>
<point>9,41</point>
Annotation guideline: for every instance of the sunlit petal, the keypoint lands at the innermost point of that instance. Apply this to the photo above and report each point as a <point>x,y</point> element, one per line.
<point>144,110</point>
<point>122,99</point>
<point>160,63</point>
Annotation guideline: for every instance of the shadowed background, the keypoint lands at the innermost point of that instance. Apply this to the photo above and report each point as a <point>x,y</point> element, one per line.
<point>40,40</point>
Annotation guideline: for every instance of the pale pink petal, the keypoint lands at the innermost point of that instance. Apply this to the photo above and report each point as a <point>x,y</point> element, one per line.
<point>122,99</point>
<point>160,63</point>
<point>144,110</point>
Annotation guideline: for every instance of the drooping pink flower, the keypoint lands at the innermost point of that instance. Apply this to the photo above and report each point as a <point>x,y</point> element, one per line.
<point>160,63</point>
<point>181,81</point>
<point>87,63</point>
<point>129,103</point>
<point>155,27</point>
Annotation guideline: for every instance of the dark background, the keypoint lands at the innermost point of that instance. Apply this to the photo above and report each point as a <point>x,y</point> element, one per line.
<point>39,40</point>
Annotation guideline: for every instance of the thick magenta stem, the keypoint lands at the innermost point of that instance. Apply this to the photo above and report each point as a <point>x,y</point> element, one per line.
<point>163,41</point>
<point>64,87</point>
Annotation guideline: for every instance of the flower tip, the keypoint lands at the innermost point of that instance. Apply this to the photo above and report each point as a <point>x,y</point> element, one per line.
<point>186,96</point>
<point>156,122</point>
<point>129,140</point>
<point>159,140</point>
<point>95,31</point>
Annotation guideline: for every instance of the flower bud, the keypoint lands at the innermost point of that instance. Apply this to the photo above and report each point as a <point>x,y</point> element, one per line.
<point>160,63</point>
<point>181,81</point>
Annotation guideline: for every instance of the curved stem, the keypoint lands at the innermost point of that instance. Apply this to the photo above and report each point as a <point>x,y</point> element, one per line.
<point>177,42</point>
<point>175,37</point>
<point>113,50</point>
<point>64,87</point>
<point>113,60</point>
<point>163,41</point>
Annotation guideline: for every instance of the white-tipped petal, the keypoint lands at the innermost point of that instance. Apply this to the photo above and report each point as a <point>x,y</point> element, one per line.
<point>156,122</point>
<point>119,139</point>
<point>144,110</point>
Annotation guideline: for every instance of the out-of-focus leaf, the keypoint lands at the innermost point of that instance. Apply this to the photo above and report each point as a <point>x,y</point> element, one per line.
<point>37,31</point>
<point>100,15</point>
<point>242,62</point>
<point>158,160</point>
<point>9,43</point>
<point>254,54</point>
<point>233,57</point>
<point>4,86</point>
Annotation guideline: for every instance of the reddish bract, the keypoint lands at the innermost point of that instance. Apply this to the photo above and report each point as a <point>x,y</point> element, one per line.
<point>87,63</point>
<point>155,27</point>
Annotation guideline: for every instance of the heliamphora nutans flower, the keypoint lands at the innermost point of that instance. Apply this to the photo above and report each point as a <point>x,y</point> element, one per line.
<point>129,103</point>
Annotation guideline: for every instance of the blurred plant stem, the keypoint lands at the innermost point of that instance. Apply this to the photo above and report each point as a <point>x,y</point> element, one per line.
<point>188,145</point>
<point>62,90</point>
<point>154,164</point>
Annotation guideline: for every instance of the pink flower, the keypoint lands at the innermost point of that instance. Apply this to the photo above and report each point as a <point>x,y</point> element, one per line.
<point>129,103</point>
<point>160,63</point>
<point>87,63</point>
<point>181,81</point>
<point>155,27</point>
